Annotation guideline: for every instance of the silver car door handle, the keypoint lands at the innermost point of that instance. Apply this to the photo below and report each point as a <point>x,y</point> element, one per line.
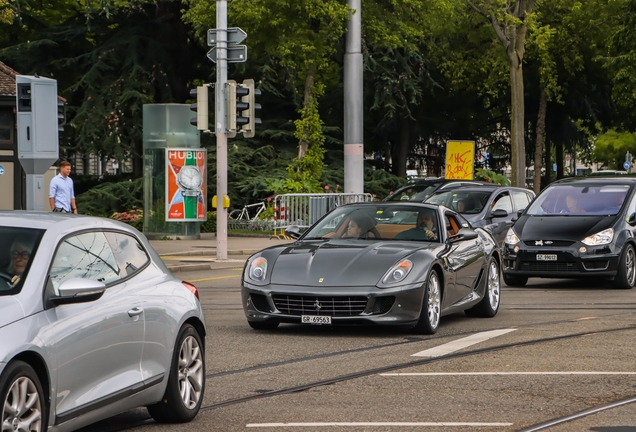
<point>135,311</point>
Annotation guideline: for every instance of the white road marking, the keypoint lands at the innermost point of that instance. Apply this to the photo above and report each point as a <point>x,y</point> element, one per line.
<point>359,424</point>
<point>461,343</point>
<point>504,373</point>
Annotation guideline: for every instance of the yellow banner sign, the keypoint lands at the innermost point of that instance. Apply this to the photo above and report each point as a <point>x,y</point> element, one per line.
<point>460,158</point>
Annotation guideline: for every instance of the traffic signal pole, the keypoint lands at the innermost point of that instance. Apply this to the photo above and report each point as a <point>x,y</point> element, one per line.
<point>220,127</point>
<point>353,104</point>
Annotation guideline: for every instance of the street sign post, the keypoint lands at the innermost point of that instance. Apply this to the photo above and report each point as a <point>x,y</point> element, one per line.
<point>235,35</point>
<point>235,54</point>
<point>627,165</point>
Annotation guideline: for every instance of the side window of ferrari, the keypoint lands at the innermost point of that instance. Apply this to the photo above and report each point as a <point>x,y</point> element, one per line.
<point>87,256</point>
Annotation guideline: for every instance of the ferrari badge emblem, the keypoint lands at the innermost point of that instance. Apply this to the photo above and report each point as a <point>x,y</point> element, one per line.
<point>320,280</point>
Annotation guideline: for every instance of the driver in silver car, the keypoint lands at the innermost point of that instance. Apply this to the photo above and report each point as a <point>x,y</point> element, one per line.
<point>20,253</point>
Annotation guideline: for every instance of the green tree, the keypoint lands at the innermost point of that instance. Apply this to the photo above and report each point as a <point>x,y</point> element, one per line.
<point>300,38</point>
<point>611,147</point>
<point>508,19</point>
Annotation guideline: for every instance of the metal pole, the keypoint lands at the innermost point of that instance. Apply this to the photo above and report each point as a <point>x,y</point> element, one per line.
<point>221,136</point>
<point>353,104</point>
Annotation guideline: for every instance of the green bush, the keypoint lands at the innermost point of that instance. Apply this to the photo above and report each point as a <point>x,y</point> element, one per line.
<point>209,226</point>
<point>108,198</point>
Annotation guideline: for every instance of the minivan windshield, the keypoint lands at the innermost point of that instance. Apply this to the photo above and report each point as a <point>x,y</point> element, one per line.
<point>579,200</point>
<point>16,258</point>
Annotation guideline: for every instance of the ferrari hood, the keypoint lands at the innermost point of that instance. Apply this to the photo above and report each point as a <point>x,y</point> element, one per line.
<point>338,263</point>
<point>572,228</point>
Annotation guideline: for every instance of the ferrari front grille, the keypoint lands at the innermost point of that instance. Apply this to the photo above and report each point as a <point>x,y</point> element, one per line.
<point>319,305</point>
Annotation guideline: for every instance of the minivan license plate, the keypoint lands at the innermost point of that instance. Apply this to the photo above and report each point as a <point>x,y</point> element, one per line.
<point>546,257</point>
<point>315,319</point>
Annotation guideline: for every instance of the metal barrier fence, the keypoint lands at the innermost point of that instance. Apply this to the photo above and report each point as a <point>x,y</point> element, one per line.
<point>303,210</point>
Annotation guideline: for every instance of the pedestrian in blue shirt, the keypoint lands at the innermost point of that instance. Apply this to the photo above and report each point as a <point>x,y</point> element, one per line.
<point>61,193</point>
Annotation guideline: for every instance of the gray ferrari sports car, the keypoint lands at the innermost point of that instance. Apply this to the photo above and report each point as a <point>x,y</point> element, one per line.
<point>389,263</point>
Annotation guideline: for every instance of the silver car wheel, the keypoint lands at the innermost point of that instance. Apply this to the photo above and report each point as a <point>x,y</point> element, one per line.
<point>22,408</point>
<point>434,300</point>
<point>493,285</point>
<point>630,266</point>
<point>190,372</point>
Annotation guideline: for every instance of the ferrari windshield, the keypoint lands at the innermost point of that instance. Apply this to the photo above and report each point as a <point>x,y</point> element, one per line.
<point>379,221</point>
<point>16,257</point>
<point>580,200</point>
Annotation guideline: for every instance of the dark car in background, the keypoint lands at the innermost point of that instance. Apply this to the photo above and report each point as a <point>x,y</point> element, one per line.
<point>576,228</point>
<point>487,207</point>
<point>420,189</point>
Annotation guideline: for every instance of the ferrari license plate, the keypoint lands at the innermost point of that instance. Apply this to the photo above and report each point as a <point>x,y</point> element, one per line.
<point>546,257</point>
<point>315,319</point>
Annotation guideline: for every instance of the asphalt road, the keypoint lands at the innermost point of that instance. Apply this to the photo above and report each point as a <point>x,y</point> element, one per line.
<point>557,348</point>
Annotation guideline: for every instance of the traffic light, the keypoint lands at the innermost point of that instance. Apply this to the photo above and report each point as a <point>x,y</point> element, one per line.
<point>61,114</point>
<point>249,129</point>
<point>241,108</point>
<point>201,121</point>
<point>235,107</point>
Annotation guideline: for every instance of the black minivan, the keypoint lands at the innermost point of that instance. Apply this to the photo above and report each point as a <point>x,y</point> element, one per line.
<point>576,228</point>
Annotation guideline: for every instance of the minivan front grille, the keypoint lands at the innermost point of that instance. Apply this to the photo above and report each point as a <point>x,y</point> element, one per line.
<point>549,266</point>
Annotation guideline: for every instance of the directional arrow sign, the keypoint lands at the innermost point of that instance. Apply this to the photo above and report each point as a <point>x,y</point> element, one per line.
<point>234,36</point>
<point>235,54</point>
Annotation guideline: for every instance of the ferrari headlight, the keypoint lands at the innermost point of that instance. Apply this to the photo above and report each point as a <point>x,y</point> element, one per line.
<point>511,237</point>
<point>600,238</point>
<point>258,269</point>
<point>398,272</point>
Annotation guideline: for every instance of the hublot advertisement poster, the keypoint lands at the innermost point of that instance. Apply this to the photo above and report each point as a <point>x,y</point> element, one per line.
<point>186,185</point>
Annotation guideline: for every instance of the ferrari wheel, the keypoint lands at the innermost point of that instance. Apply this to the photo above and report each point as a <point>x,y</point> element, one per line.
<point>431,307</point>
<point>260,325</point>
<point>626,276</point>
<point>489,304</point>
<point>22,399</point>
<point>515,281</point>
<point>186,381</point>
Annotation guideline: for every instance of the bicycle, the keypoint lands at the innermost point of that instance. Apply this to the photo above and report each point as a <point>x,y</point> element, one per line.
<point>245,214</point>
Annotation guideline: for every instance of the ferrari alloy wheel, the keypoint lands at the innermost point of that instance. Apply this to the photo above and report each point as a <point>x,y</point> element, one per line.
<point>186,383</point>
<point>626,276</point>
<point>431,308</point>
<point>489,304</point>
<point>22,399</point>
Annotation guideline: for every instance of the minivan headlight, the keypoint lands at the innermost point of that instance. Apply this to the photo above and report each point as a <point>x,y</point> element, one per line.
<point>600,238</point>
<point>511,237</point>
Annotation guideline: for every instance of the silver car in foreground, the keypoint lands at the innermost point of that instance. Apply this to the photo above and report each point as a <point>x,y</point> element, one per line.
<point>92,324</point>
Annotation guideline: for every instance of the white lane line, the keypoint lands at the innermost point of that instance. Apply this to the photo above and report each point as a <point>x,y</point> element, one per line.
<point>359,424</point>
<point>461,343</point>
<point>503,373</point>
